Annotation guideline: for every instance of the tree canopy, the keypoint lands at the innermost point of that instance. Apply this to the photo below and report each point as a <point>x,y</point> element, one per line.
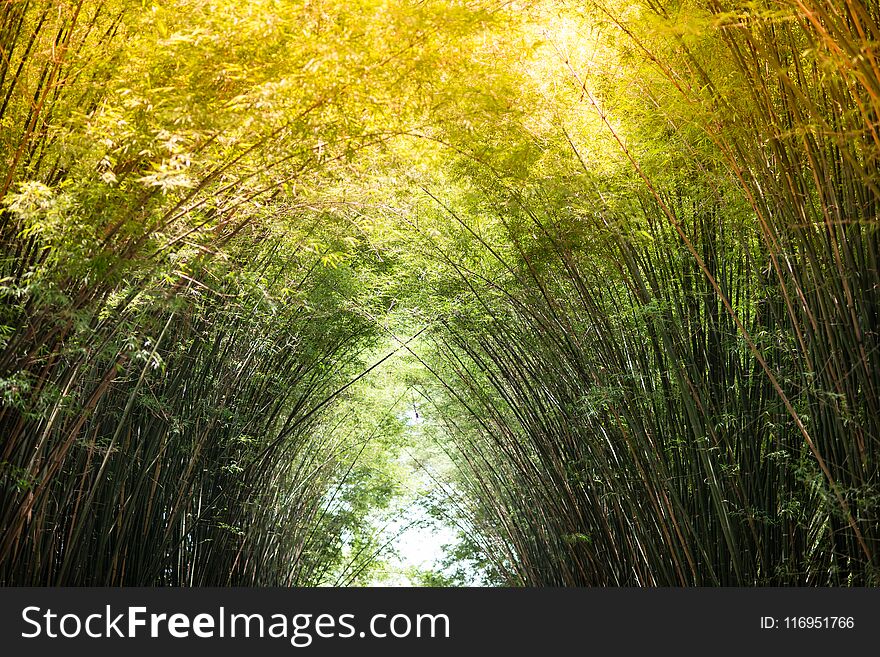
<point>604,273</point>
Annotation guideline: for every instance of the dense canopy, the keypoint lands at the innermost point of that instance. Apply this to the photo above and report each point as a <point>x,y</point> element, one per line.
<point>595,284</point>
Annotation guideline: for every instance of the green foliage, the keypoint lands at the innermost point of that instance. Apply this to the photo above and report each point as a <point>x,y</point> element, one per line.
<point>622,257</point>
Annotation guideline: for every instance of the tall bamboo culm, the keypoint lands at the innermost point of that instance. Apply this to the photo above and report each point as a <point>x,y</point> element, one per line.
<point>680,386</point>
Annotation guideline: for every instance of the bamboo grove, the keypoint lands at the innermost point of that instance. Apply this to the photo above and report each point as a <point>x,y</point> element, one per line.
<point>624,254</point>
